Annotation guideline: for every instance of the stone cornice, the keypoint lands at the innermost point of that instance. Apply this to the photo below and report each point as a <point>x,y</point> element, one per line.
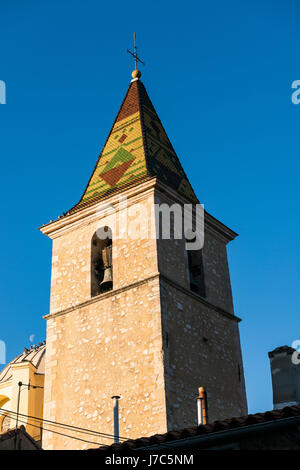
<point>218,228</point>
<point>199,298</point>
<point>134,194</point>
<point>211,223</point>
<point>105,295</point>
<point>158,276</point>
<point>139,192</point>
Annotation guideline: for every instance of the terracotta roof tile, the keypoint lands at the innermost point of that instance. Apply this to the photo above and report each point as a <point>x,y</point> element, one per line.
<point>226,424</point>
<point>137,148</point>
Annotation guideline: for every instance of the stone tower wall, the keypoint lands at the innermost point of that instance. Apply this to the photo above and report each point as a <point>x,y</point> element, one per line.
<point>200,335</point>
<point>201,348</point>
<point>149,340</point>
<point>107,345</point>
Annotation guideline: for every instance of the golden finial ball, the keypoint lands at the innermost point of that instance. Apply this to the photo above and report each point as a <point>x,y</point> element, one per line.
<point>136,74</point>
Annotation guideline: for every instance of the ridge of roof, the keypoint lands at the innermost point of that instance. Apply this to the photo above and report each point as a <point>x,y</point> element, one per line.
<point>10,433</point>
<point>207,429</point>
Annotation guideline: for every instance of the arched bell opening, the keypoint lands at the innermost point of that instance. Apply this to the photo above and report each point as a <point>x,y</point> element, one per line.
<point>196,271</point>
<point>101,261</point>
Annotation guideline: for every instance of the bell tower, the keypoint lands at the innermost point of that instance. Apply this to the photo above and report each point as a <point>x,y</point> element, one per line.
<point>135,315</point>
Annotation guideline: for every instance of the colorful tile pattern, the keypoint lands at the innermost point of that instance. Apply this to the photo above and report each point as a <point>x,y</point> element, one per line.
<point>137,148</point>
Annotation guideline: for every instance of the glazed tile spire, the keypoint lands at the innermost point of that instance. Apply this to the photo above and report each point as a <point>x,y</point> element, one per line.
<point>137,149</point>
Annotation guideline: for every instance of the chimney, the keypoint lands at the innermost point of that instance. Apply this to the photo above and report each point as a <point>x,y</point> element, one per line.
<point>202,406</point>
<point>116,399</point>
<point>285,373</point>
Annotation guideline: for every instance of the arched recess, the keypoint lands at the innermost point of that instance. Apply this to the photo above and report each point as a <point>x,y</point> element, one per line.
<point>5,418</point>
<point>101,261</point>
<point>6,422</point>
<point>196,270</point>
<point>3,400</point>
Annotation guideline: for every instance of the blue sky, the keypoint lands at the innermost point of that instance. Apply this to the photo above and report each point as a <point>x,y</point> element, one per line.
<point>219,74</point>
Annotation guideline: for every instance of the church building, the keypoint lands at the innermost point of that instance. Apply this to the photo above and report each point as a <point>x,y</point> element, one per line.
<point>136,316</point>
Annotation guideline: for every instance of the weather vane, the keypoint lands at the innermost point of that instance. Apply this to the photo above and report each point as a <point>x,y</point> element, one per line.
<point>136,73</point>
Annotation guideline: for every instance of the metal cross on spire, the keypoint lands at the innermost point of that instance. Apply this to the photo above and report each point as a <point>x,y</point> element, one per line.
<point>136,73</point>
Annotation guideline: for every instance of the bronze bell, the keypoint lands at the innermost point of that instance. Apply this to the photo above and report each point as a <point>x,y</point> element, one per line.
<point>107,278</point>
<point>107,265</point>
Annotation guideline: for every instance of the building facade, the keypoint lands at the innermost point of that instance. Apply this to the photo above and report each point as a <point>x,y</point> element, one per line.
<point>134,313</point>
<point>27,399</point>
